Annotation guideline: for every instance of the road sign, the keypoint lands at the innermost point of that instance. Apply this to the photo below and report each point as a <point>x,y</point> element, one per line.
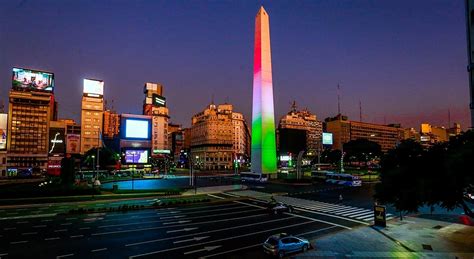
<point>380,217</point>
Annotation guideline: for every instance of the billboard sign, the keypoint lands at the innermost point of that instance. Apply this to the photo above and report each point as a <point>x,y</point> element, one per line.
<point>380,216</point>
<point>93,87</point>
<point>327,138</point>
<point>136,156</point>
<point>137,129</point>
<point>56,141</point>
<point>3,131</point>
<point>32,80</point>
<point>73,144</point>
<point>158,100</point>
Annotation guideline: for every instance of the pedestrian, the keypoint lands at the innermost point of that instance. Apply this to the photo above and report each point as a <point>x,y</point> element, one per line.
<point>340,198</point>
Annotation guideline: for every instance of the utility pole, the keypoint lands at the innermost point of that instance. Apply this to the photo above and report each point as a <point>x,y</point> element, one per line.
<point>338,99</point>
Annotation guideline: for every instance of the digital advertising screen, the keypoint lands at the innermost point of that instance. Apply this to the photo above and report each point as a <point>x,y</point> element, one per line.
<point>137,129</point>
<point>327,138</point>
<point>57,139</point>
<point>3,131</point>
<point>26,79</point>
<point>73,143</point>
<point>93,87</point>
<point>136,156</point>
<point>158,100</point>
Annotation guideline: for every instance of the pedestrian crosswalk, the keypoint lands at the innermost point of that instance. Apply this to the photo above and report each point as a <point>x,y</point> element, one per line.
<point>351,212</point>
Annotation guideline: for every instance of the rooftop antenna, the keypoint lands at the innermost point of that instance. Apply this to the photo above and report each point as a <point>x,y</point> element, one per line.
<point>338,99</point>
<point>2,106</point>
<point>449,118</point>
<point>360,111</point>
<point>212,99</point>
<point>112,108</point>
<point>227,99</point>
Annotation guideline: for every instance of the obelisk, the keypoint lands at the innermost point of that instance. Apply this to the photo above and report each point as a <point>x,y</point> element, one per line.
<point>263,120</point>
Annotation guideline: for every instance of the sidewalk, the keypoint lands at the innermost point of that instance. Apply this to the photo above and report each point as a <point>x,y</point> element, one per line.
<point>411,238</point>
<point>215,189</point>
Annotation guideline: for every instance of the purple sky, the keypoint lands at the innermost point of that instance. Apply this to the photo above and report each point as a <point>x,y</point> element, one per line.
<point>404,60</point>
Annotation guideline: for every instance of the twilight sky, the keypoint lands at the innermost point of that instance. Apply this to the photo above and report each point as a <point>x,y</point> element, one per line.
<point>404,60</point>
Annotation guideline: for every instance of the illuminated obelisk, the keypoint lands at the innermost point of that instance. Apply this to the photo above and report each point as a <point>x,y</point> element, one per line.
<point>263,120</point>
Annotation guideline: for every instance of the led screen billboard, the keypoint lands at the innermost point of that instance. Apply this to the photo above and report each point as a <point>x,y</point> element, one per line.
<point>158,100</point>
<point>327,138</point>
<point>73,143</point>
<point>137,129</point>
<point>32,80</point>
<point>136,156</point>
<point>93,87</point>
<point>3,131</point>
<point>56,141</point>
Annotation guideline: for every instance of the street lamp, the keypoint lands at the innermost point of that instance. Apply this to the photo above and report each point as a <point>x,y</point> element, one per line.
<point>93,165</point>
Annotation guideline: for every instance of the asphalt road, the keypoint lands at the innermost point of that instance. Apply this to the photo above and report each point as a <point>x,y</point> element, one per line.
<point>234,229</point>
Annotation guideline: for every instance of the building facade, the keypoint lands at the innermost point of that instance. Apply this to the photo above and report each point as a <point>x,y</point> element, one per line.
<point>344,130</point>
<point>154,105</point>
<point>29,116</point>
<point>306,121</point>
<point>217,137</point>
<point>111,124</point>
<point>92,114</point>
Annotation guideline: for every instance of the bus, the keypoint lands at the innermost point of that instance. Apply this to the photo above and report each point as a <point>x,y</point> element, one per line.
<point>253,177</point>
<point>319,176</point>
<point>343,179</point>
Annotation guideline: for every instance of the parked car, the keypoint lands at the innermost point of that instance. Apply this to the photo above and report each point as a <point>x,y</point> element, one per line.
<point>283,244</point>
<point>279,207</point>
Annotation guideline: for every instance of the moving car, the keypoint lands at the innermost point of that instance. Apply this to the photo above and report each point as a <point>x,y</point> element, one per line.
<point>283,244</point>
<point>279,207</point>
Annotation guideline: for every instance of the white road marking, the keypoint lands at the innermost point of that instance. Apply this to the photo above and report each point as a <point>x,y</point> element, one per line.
<point>22,222</point>
<point>207,232</point>
<point>173,217</point>
<point>356,213</point>
<point>39,226</point>
<point>230,194</point>
<point>18,242</point>
<point>180,230</point>
<point>46,220</point>
<point>98,250</point>
<point>71,218</point>
<point>177,222</point>
<point>76,236</point>
<point>84,228</point>
<point>191,239</point>
<point>61,230</point>
<point>205,249</point>
<point>62,256</point>
<point>260,244</point>
<point>66,224</point>
<point>366,217</point>
<point>9,228</point>
<point>191,224</point>
<point>4,254</point>
<point>51,238</point>
<point>334,216</point>
<point>220,240</point>
<point>29,233</point>
<point>214,196</point>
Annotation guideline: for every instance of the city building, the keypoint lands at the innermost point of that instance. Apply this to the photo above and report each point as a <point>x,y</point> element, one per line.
<point>263,118</point>
<point>176,137</point>
<point>57,145</point>
<point>344,130</point>
<point>3,143</point>
<point>217,137</point>
<point>111,124</point>
<point>455,130</point>
<point>470,53</point>
<point>29,115</point>
<point>305,121</point>
<point>92,114</point>
<point>154,105</point>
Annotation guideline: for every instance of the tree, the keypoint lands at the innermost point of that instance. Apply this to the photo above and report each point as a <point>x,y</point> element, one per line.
<point>412,177</point>
<point>67,171</point>
<point>398,178</point>
<point>361,150</point>
<point>107,158</point>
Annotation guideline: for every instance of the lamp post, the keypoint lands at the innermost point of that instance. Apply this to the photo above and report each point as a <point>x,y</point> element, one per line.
<point>93,166</point>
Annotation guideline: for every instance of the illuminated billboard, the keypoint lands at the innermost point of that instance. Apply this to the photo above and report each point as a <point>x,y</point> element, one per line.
<point>57,143</point>
<point>136,156</point>
<point>73,143</point>
<point>327,138</point>
<point>137,129</point>
<point>32,80</point>
<point>3,131</point>
<point>159,100</point>
<point>93,87</point>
